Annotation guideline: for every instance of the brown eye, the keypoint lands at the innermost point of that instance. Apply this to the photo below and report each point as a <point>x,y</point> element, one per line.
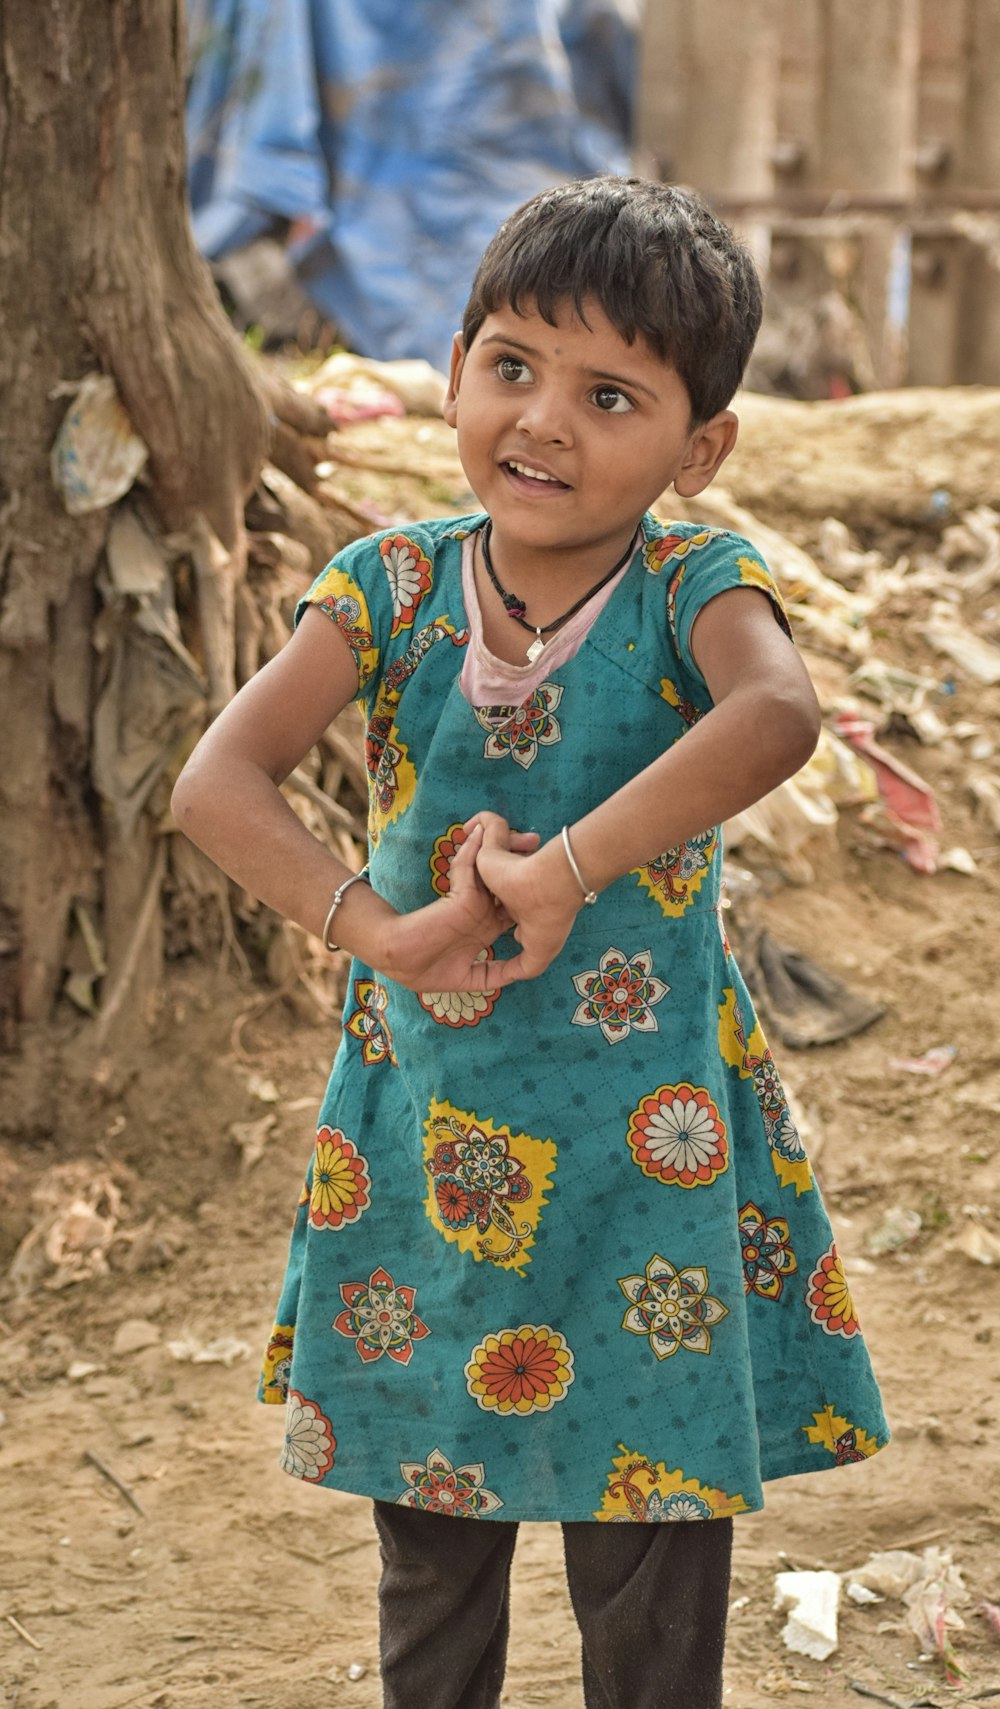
<point>513,370</point>
<point>612,401</point>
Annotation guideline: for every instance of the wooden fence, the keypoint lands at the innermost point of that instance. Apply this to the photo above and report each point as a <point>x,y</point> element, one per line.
<point>856,145</point>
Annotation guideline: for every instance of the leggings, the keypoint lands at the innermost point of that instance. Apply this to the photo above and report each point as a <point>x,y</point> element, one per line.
<point>650,1602</point>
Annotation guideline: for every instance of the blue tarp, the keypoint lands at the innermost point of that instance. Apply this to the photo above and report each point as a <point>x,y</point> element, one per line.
<point>395,136</point>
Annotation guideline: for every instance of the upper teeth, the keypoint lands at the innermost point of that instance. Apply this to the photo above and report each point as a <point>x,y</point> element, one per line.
<point>533,474</point>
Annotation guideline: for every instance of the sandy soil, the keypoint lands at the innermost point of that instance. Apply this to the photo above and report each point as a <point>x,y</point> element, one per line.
<point>212,1580</point>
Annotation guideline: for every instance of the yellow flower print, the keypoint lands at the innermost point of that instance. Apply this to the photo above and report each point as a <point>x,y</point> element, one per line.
<point>755,574</point>
<point>829,1297</point>
<point>673,1308</point>
<point>674,879</point>
<point>343,601</point>
<point>642,1493</point>
<point>520,1370</point>
<point>487,1185</point>
<point>341,1184</point>
<point>276,1365</point>
<point>750,1056</point>
<point>845,1441</point>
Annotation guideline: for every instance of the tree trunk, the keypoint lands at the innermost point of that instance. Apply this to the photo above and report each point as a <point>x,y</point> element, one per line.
<point>98,271</point>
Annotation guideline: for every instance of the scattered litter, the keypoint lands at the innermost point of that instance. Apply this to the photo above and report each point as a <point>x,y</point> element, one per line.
<point>97,455</point>
<point>929,1586</point>
<point>897,1229</point>
<point>978,1243</point>
<point>907,802</point>
<point>357,1670</point>
<point>860,1594</point>
<point>933,1061</point>
<point>80,1368</point>
<point>985,792</point>
<point>811,1601</point>
<point>959,860</point>
<point>895,689</point>
<point>991,1613</point>
<point>77,1207</point>
<point>224,1350</point>
<point>947,634</point>
<point>354,388</point>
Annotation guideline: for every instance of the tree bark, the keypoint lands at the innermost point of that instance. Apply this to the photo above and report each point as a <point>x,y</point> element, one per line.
<point>98,271</point>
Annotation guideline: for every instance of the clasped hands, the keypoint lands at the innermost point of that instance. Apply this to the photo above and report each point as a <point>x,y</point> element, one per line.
<point>498,880</point>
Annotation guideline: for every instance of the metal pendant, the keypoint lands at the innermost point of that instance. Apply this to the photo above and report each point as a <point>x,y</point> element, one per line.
<point>536,649</point>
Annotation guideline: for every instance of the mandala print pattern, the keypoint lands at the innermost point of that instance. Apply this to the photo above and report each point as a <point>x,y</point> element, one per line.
<point>342,601</point>
<point>829,1297</point>
<point>310,1444</point>
<point>453,1492</point>
<point>277,1365</point>
<point>369,1023</point>
<point>677,1136</point>
<point>751,1057</point>
<point>487,1186</point>
<point>672,1308</point>
<point>392,780</point>
<point>619,994</point>
<point>519,731</point>
<point>341,1184</point>
<point>409,573</point>
<point>519,1371</point>
<point>675,878</point>
<point>641,1493</point>
<point>766,1253</point>
<point>848,1443</point>
<point>379,1316</point>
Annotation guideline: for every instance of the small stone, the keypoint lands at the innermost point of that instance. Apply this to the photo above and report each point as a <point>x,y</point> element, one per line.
<point>357,1670</point>
<point>81,1368</point>
<point>134,1334</point>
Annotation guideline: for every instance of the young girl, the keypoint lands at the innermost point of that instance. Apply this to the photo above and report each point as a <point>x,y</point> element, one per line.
<point>559,1254</point>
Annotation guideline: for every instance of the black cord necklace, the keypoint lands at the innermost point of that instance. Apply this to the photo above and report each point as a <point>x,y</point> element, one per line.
<point>517,609</point>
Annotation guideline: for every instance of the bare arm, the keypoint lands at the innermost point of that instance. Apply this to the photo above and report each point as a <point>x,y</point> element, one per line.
<point>227,800</point>
<point>762,728</point>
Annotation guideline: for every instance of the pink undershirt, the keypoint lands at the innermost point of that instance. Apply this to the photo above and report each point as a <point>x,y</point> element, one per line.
<point>489,681</point>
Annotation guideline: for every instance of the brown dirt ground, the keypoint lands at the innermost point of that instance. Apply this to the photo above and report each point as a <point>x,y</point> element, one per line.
<point>238,1586</point>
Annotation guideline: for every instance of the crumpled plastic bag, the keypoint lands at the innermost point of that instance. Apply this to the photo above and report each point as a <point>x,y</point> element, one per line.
<point>929,1586</point>
<point>97,454</point>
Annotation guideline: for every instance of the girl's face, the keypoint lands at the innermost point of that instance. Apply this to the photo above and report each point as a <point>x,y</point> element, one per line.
<point>568,434</point>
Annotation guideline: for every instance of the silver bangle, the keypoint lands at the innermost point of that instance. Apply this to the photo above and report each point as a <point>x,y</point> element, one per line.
<point>588,895</point>
<point>338,897</point>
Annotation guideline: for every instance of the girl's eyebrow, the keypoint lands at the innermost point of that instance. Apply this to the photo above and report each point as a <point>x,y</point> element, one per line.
<point>593,373</point>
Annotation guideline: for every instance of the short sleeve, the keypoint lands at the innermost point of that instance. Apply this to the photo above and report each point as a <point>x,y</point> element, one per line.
<point>372,591</point>
<point>714,562</point>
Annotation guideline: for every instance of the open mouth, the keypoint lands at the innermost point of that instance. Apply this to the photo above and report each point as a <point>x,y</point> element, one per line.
<point>529,479</point>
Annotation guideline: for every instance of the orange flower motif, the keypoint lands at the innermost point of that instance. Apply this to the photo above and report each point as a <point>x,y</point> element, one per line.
<point>340,1183</point>
<point>677,1136</point>
<point>520,1370</point>
<point>829,1297</point>
<point>409,573</point>
<point>446,848</point>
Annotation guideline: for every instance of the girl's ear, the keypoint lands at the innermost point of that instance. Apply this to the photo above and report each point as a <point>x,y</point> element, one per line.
<point>450,410</point>
<point>709,447</point>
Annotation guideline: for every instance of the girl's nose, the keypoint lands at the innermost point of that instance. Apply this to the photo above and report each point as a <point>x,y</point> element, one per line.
<point>546,418</point>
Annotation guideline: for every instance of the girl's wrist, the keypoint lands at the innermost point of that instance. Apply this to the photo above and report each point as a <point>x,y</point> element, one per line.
<point>560,887</point>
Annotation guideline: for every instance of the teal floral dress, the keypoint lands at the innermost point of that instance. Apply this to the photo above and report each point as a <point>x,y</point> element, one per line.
<point>560,1254</point>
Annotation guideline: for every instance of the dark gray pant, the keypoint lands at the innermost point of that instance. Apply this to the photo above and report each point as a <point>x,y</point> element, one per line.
<point>650,1601</point>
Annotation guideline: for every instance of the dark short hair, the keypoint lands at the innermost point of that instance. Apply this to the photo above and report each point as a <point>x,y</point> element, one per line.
<point>653,256</point>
